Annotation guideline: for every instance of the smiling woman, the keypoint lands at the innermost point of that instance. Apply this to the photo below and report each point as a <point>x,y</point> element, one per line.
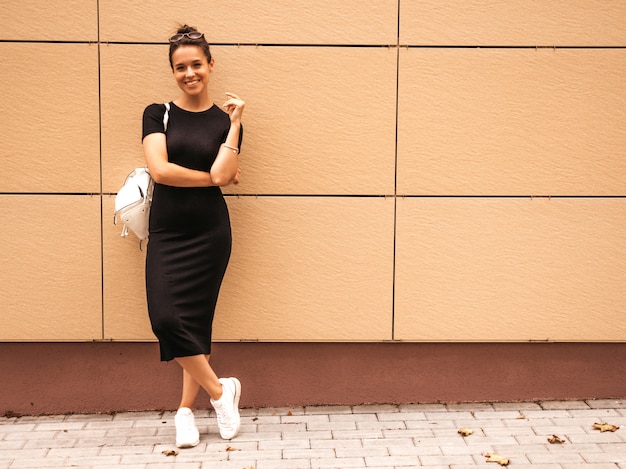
<point>190,236</point>
<point>192,70</point>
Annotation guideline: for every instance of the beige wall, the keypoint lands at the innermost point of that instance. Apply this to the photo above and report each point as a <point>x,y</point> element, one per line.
<point>461,180</point>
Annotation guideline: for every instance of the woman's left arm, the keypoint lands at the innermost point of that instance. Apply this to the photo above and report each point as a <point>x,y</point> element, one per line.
<point>225,169</point>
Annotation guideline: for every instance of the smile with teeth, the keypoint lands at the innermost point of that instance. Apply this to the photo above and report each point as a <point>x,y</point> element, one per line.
<point>192,82</point>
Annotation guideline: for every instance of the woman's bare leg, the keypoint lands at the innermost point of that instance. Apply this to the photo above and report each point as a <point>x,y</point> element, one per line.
<point>225,399</point>
<point>190,389</point>
<point>198,373</point>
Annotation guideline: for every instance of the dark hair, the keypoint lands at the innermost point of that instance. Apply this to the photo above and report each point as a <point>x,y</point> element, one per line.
<point>186,41</point>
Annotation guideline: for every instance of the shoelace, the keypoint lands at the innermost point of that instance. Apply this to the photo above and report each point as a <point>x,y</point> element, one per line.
<point>223,417</point>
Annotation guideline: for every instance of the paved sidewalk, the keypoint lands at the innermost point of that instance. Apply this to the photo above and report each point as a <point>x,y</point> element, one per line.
<point>380,436</point>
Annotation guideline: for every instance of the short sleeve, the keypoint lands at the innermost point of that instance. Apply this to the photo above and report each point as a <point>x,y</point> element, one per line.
<point>153,120</point>
<point>240,137</point>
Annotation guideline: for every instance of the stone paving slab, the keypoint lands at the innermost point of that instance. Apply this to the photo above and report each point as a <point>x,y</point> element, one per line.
<point>367,436</point>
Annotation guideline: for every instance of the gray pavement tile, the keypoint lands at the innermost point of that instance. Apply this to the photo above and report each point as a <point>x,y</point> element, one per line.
<point>11,445</point>
<point>404,416</point>
<point>37,463</point>
<point>280,411</point>
<point>612,456</point>
<point>17,426</point>
<point>133,466</point>
<point>303,443</point>
<point>452,415</point>
<point>564,405</point>
<point>307,453</point>
<point>527,465</point>
<point>448,460</point>
<point>495,414</point>
<point>419,433</point>
<point>388,425</point>
<point>422,408</point>
<point>607,403</point>
<point>375,408</point>
<point>40,418</point>
<point>358,417</point>
<point>432,424</point>
<point>361,452</point>
<point>470,406</point>
<point>312,435</point>
<point>249,412</point>
<point>161,465</point>
<point>518,406</point>
<point>313,410</point>
<point>589,466</point>
<point>371,436</point>
<point>335,463</point>
<point>62,425</point>
<point>88,417</point>
<point>594,413</point>
<point>30,435</point>
<point>303,418</point>
<point>551,458</point>
<point>273,454</point>
<point>331,426</point>
<point>546,414</point>
<point>229,465</point>
<point>278,464</point>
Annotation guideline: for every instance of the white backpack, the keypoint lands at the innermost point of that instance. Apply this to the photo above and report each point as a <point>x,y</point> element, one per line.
<point>132,203</point>
<point>133,200</point>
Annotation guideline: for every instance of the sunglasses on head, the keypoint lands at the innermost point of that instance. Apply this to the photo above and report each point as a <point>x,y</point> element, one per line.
<point>191,35</point>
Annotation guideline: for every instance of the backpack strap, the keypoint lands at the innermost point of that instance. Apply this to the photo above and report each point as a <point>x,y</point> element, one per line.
<point>166,116</point>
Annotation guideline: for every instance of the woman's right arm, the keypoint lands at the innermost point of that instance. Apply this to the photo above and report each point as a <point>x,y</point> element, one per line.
<point>170,174</point>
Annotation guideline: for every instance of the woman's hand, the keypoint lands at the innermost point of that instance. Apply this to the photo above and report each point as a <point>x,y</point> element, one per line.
<point>234,107</point>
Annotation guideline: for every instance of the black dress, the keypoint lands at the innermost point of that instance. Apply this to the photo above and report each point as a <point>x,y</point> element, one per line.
<point>190,237</point>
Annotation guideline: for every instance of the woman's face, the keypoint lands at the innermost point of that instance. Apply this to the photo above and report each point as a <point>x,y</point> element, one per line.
<point>191,69</point>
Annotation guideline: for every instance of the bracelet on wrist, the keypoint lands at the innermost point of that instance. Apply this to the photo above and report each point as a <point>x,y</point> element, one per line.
<point>234,149</point>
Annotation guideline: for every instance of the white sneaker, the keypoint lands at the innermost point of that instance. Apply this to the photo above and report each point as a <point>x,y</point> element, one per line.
<point>187,435</point>
<point>227,408</point>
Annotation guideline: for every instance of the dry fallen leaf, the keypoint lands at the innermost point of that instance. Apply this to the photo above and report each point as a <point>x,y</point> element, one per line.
<point>605,427</point>
<point>465,431</point>
<point>170,452</point>
<point>521,416</point>
<point>230,448</point>
<point>497,458</point>
<point>289,414</point>
<point>255,419</point>
<point>555,440</point>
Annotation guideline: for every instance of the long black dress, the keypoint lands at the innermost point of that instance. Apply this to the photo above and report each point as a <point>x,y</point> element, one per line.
<point>190,237</point>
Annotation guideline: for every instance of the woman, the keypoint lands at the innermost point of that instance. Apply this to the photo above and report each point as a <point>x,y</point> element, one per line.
<point>190,236</point>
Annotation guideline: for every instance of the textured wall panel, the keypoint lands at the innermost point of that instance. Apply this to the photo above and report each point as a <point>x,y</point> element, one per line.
<point>40,20</point>
<point>254,22</point>
<point>125,309</point>
<point>50,268</point>
<point>510,269</point>
<point>301,269</point>
<point>513,22</point>
<point>310,269</point>
<point>512,122</point>
<point>333,133</point>
<point>49,118</point>
<point>132,76</point>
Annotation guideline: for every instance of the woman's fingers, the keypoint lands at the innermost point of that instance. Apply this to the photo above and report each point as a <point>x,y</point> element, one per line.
<point>233,102</point>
